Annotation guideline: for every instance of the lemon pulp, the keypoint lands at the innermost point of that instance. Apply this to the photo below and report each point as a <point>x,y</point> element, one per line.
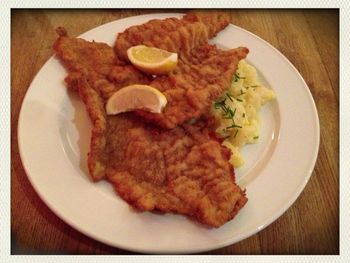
<point>152,60</point>
<point>134,97</point>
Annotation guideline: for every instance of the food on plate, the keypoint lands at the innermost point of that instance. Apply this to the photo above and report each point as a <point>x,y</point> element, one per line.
<point>92,62</point>
<point>187,170</point>
<point>97,60</point>
<point>194,84</point>
<point>238,110</point>
<point>152,60</point>
<point>136,97</point>
<point>182,168</point>
<point>173,34</point>
<point>203,71</point>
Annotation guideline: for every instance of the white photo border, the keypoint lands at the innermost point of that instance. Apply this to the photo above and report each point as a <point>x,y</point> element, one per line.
<point>344,125</point>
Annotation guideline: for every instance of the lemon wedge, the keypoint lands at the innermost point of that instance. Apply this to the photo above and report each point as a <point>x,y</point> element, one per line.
<point>136,97</point>
<point>152,60</point>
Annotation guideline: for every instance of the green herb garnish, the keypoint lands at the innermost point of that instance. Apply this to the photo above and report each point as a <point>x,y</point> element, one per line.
<point>229,96</point>
<point>253,86</point>
<point>236,77</point>
<point>233,126</point>
<point>219,104</point>
<point>227,112</point>
<point>230,114</point>
<point>225,108</point>
<point>256,137</point>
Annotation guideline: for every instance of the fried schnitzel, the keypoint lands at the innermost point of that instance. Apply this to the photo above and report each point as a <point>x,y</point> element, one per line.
<point>203,71</point>
<point>98,62</point>
<point>183,170</point>
<point>194,84</point>
<point>172,34</point>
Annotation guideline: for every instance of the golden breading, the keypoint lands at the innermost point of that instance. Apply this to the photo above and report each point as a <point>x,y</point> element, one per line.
<point>203,71</point>
<point>172,34</point>
<point>194,84</point>
<point>183,170</point>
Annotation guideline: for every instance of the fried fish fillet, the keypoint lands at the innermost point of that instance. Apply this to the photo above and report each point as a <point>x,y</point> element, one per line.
<point>184,170</point>
<point>97,64</point>
<point>172,34</point>
<point>194,84</point>
<point>203,73</point>
<point>105,72</point>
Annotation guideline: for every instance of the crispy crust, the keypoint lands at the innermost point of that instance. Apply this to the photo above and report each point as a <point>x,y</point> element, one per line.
<point>203,71</point>
<point>172,34</point>
<point>183,170</point>
<point>95,108</point>
<point>194,84</point>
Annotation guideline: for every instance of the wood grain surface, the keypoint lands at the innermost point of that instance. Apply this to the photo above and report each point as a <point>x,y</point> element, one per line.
<point>308,38</point>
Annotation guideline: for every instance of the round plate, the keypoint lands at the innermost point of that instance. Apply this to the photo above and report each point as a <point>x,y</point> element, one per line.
<point>53,134</point>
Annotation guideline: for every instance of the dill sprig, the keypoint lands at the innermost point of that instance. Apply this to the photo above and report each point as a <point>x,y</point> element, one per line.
<point>252,86</point>
<point>229,96</point>
<point>242,92</point>
<point>230,114</point>
<point>227,112</point>
<point>219,104</point>
<point>236,77</point>
<point>233,126</point>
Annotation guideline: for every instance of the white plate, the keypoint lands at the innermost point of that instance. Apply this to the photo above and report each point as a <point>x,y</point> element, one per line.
<point>53,134</point>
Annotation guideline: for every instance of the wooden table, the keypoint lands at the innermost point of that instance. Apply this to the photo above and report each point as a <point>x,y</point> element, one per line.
<point>308,38</point>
